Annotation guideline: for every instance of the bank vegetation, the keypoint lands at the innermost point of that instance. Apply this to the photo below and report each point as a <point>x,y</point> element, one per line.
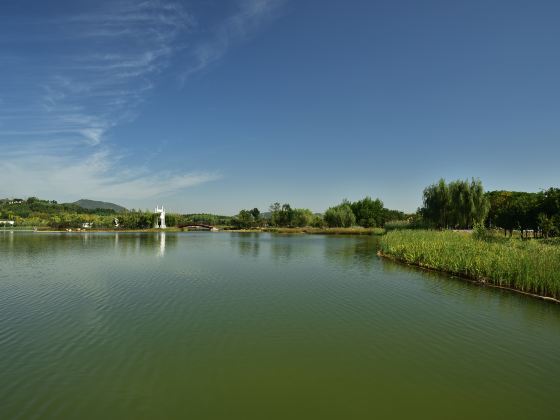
<point>527,266</point>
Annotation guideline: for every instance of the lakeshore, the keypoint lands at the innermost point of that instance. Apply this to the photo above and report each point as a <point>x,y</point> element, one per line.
<point>309,230</point>
<point>482,282</point>
<point>530,267</point>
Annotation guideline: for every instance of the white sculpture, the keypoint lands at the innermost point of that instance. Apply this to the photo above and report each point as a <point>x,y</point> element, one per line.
<point>160,218</point>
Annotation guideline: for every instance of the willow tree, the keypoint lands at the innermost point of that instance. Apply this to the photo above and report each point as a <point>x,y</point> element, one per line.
<point>481,204</point>
<point>458,204</point>
<point>437,204</point>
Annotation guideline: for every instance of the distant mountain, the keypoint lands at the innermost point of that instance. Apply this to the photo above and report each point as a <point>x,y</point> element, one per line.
<point>92,205</point>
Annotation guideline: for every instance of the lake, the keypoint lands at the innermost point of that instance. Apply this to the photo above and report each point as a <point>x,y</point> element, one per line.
<point>260,326</point>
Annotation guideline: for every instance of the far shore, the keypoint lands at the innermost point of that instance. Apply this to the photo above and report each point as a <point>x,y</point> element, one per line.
<point>311,231</point>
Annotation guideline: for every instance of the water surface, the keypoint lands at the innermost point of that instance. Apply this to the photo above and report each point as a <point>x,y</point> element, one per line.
<point>249,326</point>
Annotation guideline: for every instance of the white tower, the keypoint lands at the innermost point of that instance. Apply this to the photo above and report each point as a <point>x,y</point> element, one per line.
<point>160,218</point>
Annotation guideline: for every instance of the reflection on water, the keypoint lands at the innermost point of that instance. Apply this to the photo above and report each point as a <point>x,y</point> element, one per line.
<point>340,250</point>
<point>123,243</point>
<point>161,237</point>
<point>345,250</point>
<point>349,251</point>
<point>247,243</point>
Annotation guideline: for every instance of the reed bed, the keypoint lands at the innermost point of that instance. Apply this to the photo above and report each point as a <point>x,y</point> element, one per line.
<point>397,225</point>
<point>329,231</point>
<point>528,266</point>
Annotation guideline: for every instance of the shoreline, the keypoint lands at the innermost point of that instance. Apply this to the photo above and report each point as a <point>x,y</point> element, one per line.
<point>479,281</point>
<point>308,231</point>
<point>482,282</point>
<point>314,231</point>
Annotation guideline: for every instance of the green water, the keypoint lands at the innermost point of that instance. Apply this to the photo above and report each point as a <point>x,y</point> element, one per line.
<point>248,326</point>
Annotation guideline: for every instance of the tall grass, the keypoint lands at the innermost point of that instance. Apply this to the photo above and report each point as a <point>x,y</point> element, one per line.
<point>329,231</point>
<point>528,266</point>
<point>397,224</point>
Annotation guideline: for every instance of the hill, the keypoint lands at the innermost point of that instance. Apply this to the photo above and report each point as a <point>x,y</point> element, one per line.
<point>92,205</point>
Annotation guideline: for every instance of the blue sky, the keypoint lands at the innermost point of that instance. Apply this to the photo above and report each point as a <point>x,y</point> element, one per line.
<point>220,105</point>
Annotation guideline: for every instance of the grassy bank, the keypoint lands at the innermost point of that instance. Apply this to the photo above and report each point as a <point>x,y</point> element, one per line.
<point>527,266</point>
<point>329,231</point>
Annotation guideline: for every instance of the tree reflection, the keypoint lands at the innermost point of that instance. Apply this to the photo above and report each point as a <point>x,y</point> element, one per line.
<point>124,243</point>
<point>348,251</point>
<point>248,244</point>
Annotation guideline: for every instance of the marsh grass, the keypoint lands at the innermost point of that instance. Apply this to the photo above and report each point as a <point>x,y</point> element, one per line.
<point>329,231</point>
<point>397,225</point>
<point>528,266</point>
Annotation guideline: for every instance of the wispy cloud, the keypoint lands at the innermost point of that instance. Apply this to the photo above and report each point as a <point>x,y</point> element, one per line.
<point>250,15</point>
<point>94,71</point>
<point>100,175</point>
<point>102,71</point>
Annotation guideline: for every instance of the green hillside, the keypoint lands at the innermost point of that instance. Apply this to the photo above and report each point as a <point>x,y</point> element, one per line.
<point>92,205</point>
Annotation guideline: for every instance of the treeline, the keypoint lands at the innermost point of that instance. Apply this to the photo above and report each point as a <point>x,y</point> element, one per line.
<point>523,211</point>
<point>200,218</point>
<point>463,204</point>
<point>145,219</point>
<point>35,207</point>
<point>48,213</point>
<point>460,204</point>
<point>365,213</point>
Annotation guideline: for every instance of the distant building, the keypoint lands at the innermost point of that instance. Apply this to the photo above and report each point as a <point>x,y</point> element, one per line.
<point>16,201</point>
<point>7,222</point>
<point>87,225</point>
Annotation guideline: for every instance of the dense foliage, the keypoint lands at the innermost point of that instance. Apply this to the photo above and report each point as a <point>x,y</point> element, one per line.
<point>203,218</point>
<point>367,213</point>
<point>524,211</point>
<point>340,216</point>
<point>33,206</point>
<point>462,204</point>
<point>36,212</point>
<point>458,204</point>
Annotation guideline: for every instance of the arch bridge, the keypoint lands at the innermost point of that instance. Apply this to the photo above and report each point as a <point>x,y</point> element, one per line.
<point>198,226</point>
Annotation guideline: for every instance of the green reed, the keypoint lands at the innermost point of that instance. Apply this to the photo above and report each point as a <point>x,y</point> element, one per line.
<point>529,266</point>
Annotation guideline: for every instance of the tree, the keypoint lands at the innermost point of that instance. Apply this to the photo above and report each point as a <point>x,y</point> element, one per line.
<point>256,214</point>
<point>340,216</point>
<point>480,202</point>
<point>511,210</point>
<point>368,212</point>
<point>170,219</point>
<point>302,217</point>
<point>459,204</point>
<point>318,222</point>
<point>437,204</point>
<point>546,224</point>
<point>281,215</point>
<point>244,219</point>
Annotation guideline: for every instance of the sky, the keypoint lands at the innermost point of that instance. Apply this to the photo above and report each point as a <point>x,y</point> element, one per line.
<point>218,105</point>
